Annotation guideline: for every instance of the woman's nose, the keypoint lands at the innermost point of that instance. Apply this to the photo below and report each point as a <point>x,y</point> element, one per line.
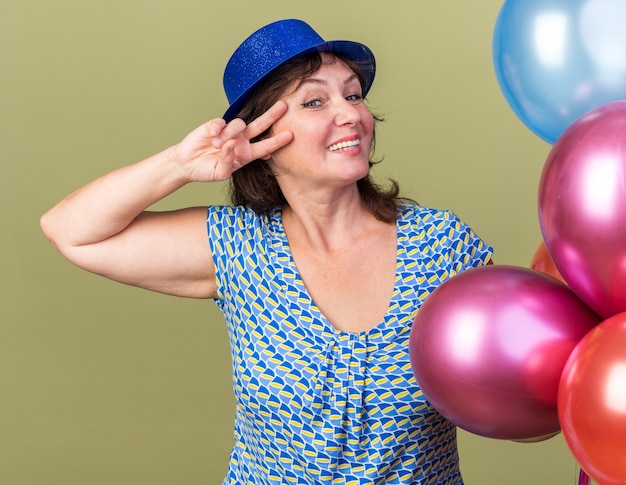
<point>347,113</point>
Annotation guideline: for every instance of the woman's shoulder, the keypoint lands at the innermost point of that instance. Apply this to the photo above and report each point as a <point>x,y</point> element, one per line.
<point>239,214</point>
<point>433,224</point>
<point>410,211</point>
<point>439,231</point>
<point>228,212</point>
<point>229,224</point>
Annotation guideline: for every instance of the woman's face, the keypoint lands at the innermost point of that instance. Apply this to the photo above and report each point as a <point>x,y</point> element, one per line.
<point>332,130</point>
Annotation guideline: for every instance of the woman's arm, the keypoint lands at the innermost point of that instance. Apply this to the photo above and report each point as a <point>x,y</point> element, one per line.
<point>105,227</point>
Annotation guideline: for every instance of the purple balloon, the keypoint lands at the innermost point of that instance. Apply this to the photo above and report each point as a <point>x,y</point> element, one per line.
<point>489,345</point>
<point>582,207</point>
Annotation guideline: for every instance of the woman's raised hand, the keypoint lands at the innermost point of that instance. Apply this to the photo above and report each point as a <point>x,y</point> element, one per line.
<point>216,149</point>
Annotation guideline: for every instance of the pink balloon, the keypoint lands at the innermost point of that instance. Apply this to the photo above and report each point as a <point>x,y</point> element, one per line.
<point>489,345</point>
<point>582,207</point>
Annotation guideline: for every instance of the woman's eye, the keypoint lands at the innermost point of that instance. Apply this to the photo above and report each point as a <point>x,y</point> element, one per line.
<point>314,103</point>
<point>354,98</point>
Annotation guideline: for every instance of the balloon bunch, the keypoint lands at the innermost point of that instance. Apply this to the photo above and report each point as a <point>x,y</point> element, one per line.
<point>523,353</point>
<point>582,215</point>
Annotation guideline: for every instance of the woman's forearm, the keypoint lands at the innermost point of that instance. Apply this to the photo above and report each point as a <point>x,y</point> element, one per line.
<point>210,153</point>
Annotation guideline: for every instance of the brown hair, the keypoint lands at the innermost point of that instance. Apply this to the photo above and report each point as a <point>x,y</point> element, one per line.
<point>255,184</point>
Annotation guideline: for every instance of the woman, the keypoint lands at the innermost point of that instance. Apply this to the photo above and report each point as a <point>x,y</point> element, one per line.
<point>319,273</point>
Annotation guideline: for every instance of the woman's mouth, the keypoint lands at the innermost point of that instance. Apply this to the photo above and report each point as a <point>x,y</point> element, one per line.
<point>344,145</point>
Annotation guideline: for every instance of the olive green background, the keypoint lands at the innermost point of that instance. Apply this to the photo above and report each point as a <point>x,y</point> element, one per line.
<point>106,384</point>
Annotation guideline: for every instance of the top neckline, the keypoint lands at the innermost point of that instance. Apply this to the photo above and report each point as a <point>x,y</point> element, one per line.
<point>383,330</point>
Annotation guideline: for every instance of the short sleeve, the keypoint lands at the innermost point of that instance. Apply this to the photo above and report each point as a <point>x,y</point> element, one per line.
<point>231,230</point>
<point>466,249</point>
<point>441,243</point>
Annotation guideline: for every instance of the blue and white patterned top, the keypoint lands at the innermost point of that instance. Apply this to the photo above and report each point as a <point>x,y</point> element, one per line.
<point>315,405</point>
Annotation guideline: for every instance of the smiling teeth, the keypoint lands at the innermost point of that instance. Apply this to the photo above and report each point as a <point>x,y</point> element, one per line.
<point>343,145</point>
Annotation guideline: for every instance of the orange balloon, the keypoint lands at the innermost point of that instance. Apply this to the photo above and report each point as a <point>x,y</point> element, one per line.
<point>542,261</point>
<point>592,401</point>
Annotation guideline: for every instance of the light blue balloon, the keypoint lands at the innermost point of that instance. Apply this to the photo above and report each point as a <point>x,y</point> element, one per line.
<point>557,59</point>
